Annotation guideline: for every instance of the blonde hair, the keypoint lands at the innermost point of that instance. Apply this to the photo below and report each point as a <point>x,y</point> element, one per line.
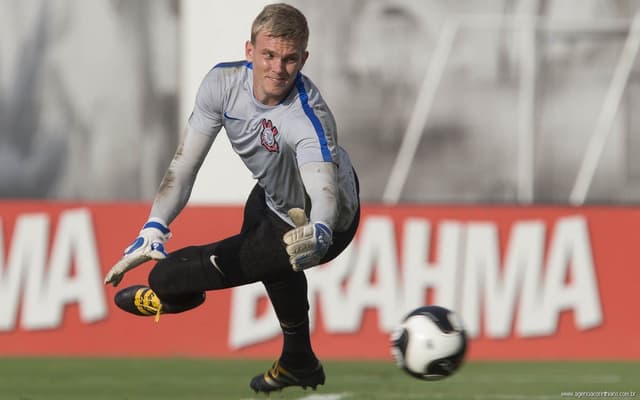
<point>281,20</point>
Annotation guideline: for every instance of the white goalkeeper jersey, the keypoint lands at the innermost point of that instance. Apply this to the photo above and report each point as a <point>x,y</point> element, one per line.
<point>274,141</point>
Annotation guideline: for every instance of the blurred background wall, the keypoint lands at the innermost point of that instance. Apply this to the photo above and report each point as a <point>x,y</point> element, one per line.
<point>500,97</point>
<point>517,89</point>
<point>88,97</point>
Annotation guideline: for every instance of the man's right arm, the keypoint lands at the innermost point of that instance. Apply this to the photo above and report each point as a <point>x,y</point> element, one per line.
<point>204,124</point>
<point>171,198</point>
<point>175,189</point>
<point>176,186</point>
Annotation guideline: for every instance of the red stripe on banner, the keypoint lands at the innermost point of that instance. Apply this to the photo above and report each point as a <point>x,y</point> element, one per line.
<point>529,283</point>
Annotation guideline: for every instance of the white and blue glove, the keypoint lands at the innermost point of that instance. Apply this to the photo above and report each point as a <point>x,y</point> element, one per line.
<point>149,245</point>
<point>308,243</point>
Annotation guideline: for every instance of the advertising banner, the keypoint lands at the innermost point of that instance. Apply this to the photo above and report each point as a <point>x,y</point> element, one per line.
<point>528,282</point>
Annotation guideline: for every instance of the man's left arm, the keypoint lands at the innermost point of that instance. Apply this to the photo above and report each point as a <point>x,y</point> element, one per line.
<point>308,243</point>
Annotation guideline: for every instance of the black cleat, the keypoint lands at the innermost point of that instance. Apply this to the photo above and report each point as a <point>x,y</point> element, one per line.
<point>278,378</point>
<point>139,300</point>
<point>142,300</point>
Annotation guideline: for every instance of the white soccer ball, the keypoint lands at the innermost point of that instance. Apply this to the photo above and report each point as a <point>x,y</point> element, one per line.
<point>430,343</point>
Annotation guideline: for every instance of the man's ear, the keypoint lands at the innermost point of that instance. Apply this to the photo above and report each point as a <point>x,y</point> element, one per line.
<point>305,55</point>
<point>248,51</point>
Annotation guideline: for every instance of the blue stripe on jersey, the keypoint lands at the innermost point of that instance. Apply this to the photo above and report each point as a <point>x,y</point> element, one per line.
<point>231,64</point>
<point>322,138</point>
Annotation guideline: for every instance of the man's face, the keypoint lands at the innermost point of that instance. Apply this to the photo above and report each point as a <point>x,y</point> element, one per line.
<point>276,63</point>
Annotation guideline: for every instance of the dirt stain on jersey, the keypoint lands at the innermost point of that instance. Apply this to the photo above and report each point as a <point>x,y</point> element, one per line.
<point>169,176</point>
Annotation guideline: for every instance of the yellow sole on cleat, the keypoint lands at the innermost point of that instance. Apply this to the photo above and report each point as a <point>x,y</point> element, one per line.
<point>278,378</point>
<point>139,300</point>
<point>148,303</point>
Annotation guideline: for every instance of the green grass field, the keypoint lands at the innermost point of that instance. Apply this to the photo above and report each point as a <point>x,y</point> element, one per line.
<point>140,379</point>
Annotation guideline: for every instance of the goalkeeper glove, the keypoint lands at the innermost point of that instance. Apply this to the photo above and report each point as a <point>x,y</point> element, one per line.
<point>149,245</point>
<point>308,243</point>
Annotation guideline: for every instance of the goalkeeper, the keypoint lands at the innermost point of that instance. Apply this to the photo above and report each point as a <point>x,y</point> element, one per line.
<point>303,211</point>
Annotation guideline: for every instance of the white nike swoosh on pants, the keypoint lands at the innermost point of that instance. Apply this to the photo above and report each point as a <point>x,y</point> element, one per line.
<point>215,264</point>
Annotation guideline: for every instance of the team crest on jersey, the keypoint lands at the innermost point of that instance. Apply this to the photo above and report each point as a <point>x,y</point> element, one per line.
<point>268,136</point>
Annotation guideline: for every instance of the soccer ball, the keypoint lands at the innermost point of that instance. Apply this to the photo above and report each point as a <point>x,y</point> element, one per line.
<point>430,343</point>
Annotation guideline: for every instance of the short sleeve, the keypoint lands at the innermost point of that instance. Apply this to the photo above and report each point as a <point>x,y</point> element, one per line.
<point>315,127</point>
<point>206,117</point>
<point>316,138</point>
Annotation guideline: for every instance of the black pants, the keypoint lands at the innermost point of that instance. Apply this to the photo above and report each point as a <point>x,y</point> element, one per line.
<point>256,254</point>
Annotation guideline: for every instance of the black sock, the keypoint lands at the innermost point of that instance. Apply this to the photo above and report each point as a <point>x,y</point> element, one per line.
<point>296,348</point>
<point>173,304</point>
<point>288,296</point>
